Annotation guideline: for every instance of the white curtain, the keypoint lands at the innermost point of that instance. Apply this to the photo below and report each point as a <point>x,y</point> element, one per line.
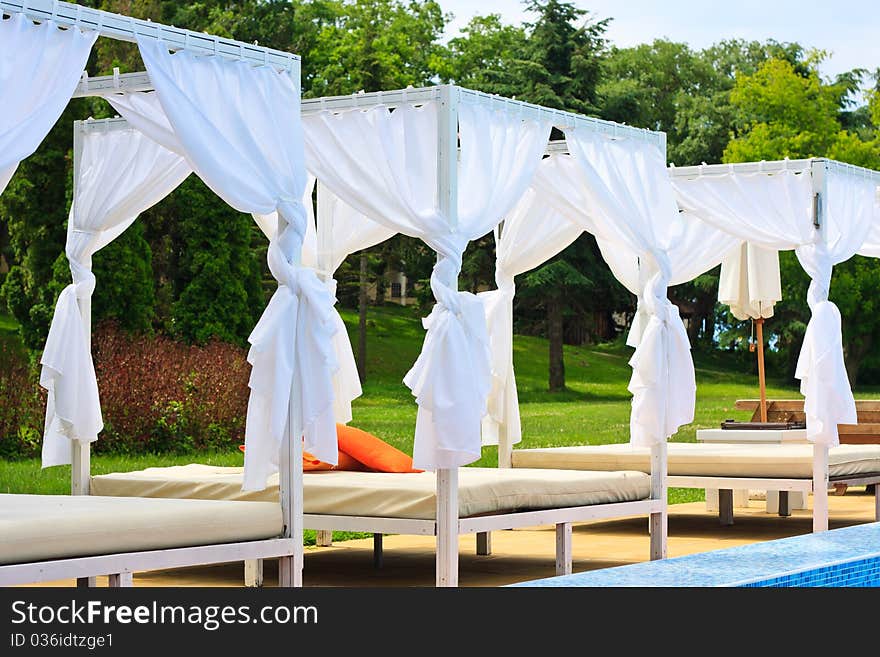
<point>775,211</point>
<point>531,234</point>
<point>121,174</point>
<point>40,66</point>
<point>384,165</point>
<point>240,129</point>
<point>619,191</point>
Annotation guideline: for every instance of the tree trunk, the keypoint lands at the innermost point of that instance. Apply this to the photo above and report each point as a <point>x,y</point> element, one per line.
<point>854,353</point>
<point>554,335</point>
<point>362,320</point>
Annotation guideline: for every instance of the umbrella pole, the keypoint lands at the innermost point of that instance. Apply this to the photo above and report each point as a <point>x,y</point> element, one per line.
<point>762,382</point>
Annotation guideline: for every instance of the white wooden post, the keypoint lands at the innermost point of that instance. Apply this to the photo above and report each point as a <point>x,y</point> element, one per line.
<point>253,573</point>
<point>820,452</point>
<point>658,522</point>
<point>80,454</point>
<point>563,548</point>
<point>820,488</point>
<point>120,580</point>
<point>447,479</point>
<point>324,229</point>
<point>290,464</point>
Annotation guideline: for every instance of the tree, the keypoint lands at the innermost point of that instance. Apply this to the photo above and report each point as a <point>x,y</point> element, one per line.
<point>789,110</point>
<point>484,57</point>
<point>375,45</point>
<point>553,287</point>
<point>218,290</point>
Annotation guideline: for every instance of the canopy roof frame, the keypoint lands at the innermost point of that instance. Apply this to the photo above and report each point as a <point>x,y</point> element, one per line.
<point>125,28</point>
<point>140,81</point>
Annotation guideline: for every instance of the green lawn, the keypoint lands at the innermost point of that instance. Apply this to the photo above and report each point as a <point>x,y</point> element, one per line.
<point>594,409</point>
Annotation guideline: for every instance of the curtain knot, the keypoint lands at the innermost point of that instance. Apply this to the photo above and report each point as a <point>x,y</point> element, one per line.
<point>83,279</point>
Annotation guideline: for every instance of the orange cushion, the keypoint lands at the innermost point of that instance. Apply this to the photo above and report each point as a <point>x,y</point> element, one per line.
<point>373,452</point>
<point>313,464</point>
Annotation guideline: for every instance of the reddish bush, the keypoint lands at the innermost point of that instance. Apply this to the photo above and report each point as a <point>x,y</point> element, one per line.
<point>158,394</point>
<point>22,404</point>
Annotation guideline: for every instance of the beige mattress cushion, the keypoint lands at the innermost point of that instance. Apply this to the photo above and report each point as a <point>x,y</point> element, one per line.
<point>392,495</point>
<point>43,527</point>
<point>699,459</point>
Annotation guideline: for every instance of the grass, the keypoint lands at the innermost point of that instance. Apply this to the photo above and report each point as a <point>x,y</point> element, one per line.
<point>593,410</point>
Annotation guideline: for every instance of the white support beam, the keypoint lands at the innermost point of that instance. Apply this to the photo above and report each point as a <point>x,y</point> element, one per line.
<point>80,469</point>
<point>776,166</point>
<point>811,165</point>
<point>105,85</point>
<point>558,118</point>
<point>447,194</point>
<point>125,28</point>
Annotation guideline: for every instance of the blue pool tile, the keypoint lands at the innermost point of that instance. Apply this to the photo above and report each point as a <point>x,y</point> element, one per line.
<point>842,557</point>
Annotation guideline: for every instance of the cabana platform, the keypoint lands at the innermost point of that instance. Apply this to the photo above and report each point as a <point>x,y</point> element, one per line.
<point>521,555</point>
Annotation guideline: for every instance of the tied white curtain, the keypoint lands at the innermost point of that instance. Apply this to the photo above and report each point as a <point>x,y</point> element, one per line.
<point>775,211</point>
<point>384,165</point>
<point>121,174</point>
<point>340,231</point>
<point>618,190</point>
<point>40,66</point>
<point>531,234</point>
<point>240,129</point>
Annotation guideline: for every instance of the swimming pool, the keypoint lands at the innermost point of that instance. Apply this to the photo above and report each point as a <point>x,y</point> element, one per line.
<point>841,557</point>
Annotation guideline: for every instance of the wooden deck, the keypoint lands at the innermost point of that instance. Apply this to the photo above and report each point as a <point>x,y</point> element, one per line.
<point>525,554</point>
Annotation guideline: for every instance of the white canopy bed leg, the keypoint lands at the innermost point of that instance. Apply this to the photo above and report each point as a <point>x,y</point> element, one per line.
<point>659,521</point>
<point>447,527</point>
<point>291,487</point>
<point>563,548</point>
<point>484,543</point>
<point>120,580</point>
<point>820,488</point>
<point>253,573</point>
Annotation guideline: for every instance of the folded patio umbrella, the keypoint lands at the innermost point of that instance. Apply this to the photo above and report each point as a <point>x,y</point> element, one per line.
<point>750,286</point>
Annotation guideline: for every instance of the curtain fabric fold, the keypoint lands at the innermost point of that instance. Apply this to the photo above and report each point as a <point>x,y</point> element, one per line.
<point>532,233</point>
<point>121,174</point>
<point>618,191</point>
<point>384,165</point>
<point>40,66</point>
<point>239,128</point>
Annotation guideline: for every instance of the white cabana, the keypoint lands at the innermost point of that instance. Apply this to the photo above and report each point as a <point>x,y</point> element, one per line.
<point>400,169</point>
<point>615,187</point>
<point>233,109</point>
<point>827,212</point>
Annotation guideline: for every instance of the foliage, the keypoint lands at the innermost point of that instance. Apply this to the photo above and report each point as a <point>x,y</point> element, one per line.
<point>789,110</point>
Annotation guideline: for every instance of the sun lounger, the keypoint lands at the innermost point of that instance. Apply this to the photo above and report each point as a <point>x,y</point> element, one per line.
<point>52,537</point>
<point>406,503</point>
<point>784,468</point>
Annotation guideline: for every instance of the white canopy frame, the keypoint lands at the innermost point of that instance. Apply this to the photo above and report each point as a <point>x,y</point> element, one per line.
<point>124,28</point>
<point>449,97</point>
<point>817,169</point>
